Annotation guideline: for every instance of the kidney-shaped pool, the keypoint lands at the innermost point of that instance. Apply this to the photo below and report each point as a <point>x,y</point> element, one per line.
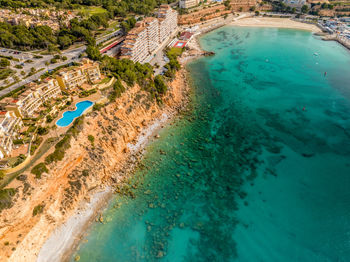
<point>69,116</point>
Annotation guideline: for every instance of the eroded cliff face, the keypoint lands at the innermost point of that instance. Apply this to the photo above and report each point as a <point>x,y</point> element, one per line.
<point>85,167</point>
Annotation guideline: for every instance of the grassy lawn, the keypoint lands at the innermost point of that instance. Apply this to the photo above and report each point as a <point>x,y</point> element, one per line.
<point>176,51</point>
<point>92,10</point>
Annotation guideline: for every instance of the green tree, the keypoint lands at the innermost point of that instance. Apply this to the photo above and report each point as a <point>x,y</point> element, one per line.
<point>160,85</point>
<point>93,53</point>
<point>4,63</point>
<point>304,9</point>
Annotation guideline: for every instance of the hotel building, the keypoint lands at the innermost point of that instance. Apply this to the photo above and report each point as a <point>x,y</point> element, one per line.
<point>167,22</point>
<point>135,46</point>
<point>149,34</point>
<point>152,28</point>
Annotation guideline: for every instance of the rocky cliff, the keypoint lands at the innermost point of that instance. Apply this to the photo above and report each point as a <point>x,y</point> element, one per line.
<point>87,166</point>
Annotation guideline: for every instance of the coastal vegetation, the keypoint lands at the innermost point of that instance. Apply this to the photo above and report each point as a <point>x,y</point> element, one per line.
<point>132,73</point>
<point>28,38</point>
<point>39,169</point>
<point>38,210</point>
<point>6,196</point>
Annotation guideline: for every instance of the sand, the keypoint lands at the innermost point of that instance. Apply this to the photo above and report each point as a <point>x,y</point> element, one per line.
<point>276,22</point>
<point>64,237</point>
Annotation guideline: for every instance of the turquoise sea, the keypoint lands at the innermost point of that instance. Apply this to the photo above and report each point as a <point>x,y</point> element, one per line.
<point>259,170</point>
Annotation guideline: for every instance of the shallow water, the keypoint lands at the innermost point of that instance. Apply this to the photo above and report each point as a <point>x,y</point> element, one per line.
<point>259,170</point>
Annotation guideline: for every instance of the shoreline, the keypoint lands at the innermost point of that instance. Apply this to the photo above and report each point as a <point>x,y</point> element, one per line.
<point>275,22</point>
<point>101,199</point>
<point>70,233</point>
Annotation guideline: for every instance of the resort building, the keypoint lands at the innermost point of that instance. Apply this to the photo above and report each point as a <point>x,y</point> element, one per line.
<point>47,89</point>
<point>74,77</point>
<point>91,71</point>
<point>6,146</point>
<point>24,106</point>
<point>70,78</point>
<point>142,41</point>
<point>30,100</point>
<point>9,125</point>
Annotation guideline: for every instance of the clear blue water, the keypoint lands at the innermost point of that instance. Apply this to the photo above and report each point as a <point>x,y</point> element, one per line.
<point>69,116</point>
<point>257,170</point>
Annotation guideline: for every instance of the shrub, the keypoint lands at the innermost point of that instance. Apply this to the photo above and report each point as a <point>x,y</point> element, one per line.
<point>39,169</point>
<point>97,107</point>
<point>4,63</point>
<point>91,138</point>
<point>49,118</point>
<point>160,85</point>
<point>38,210</point>
<point>6,198</point>
<point>42,130</point>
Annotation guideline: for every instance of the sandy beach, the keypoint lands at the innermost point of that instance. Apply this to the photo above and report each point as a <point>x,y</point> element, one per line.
<point>275,22</point>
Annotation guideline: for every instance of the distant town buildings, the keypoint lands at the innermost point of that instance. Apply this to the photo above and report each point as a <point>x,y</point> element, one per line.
<point>188,3</point>
<point>149,34</point>
<point>35,17</point>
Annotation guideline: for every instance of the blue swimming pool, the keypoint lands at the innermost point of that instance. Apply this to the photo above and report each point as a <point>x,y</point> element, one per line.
<point>69,116</point>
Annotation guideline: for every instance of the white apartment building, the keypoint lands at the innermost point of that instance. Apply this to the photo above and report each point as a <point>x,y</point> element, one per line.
<point>29,102</point>
<point>152,27</point>
<point>135,46</point>
<point>167,22</point>
<point>149,34</point>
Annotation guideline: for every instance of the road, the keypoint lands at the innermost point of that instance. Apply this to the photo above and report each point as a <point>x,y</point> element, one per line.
<point>71,54</point>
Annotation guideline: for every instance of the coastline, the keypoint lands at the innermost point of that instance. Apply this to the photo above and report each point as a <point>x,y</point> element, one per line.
<point>70,233</point>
